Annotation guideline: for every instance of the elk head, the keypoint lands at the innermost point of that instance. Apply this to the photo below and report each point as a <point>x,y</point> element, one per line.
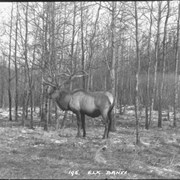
<point>51,89</point>
<point>54,89</point>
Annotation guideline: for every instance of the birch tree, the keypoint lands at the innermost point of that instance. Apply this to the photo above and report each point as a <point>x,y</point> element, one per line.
<point>82,44</point>
<point>113,56</point>
<point>156,60</point>
<point>176,77</point>
<point>73,39</point>
<point>137,74</point>
<point>162,71</point>
<point>15,61</point>
<point>91,47</point>
<point>148,99</point>
<point>9,66</point>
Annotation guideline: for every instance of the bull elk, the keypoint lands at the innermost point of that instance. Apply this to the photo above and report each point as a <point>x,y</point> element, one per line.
<point>83,103</point>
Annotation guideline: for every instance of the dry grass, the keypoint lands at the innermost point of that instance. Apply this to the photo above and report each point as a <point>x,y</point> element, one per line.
<point>27,153</point>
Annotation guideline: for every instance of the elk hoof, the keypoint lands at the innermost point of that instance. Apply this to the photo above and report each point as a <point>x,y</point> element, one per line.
<point>105,137</point>
<point>78,136</point>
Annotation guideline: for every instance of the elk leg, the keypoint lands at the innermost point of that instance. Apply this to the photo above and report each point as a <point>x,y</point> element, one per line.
<point>83,124</point>
<point>106,122</point>
<point>78,115</point>
<point>105,136</point>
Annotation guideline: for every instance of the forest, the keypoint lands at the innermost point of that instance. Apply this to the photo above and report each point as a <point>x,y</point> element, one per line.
<point>129,48</point>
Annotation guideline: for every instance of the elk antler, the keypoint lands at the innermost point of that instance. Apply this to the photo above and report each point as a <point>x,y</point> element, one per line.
<point>69,77</point>
<point>48,83</point>
<point>74,75</point>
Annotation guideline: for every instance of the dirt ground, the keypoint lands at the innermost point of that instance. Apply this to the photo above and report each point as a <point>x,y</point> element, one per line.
<point>27,153</point>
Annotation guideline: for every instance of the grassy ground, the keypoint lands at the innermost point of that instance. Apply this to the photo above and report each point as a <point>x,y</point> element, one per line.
<point>27,153</point>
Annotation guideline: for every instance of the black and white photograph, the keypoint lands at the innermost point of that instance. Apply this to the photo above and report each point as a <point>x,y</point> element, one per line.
<point>90,90</point>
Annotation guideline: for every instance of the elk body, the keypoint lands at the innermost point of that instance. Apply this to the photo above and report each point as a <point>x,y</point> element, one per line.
<point>83,103</point>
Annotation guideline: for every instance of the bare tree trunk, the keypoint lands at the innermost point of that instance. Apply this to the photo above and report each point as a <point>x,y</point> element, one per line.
<point>91,51</point>
<point>62,56</point>
<point>72,43</point>
<point>43,64</point>
<point>164,55</point>
<point>52,57</point>
<point>45,59</point>
<point>2,84</point>
<point>148,119</point>
<point>31,83</point>
<point>56,117</point>
<point>49,111</point>
<point>9,67</point>
<point>82,46</point>
<point>46,113</point>
<point>26,70</point>
<point>64,118</point>
<point>176,77</point>
<point>72,58</point>
<point>117,78</point>
<point>24,95</point>
<point>121,88</point>
<point>16,69</point>
<point>137,77</point>
<point>159,86</point>
<point>26,60</point>
<point>129,98</point>
<point>113,55</point>
<point>41,99</point>
<point>31,104</point>
<point>156,63</point>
